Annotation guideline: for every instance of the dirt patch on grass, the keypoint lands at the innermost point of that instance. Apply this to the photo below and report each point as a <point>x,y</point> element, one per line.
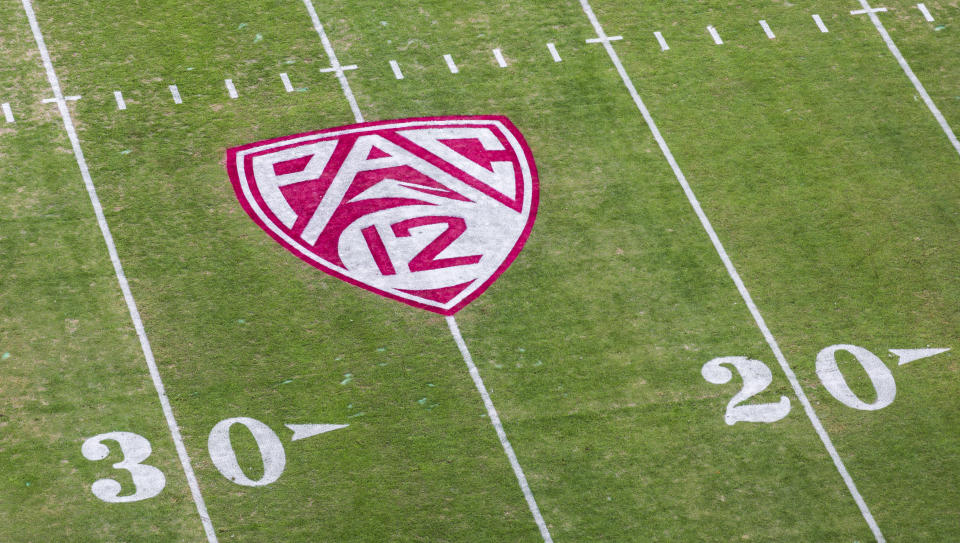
<point>15,393</point>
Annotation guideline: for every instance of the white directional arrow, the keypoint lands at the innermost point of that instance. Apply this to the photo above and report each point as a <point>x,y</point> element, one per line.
<point>909,355</point>
<point>301,431</point>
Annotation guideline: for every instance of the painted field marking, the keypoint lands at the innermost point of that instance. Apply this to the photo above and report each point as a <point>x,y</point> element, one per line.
<point>451,323</point>
<point>7,112</point>
<point>604,39</point>
<point>224,456</point>
<point>121,277</point>
<point>121,104</point>
<point>334,63</point>
<point>906,69</point>
<point>341,68</point>
<point>867,9</point>
<point>231,90</point>
<point>395,66</point>
<point>766,29</point>
<point>286,82</point>
<point>175,92</point>
<point>756,378</point>
<point>926,13</point>
<point>661,41</point>
<point>497,54</point>
<point>303,431</point>
<point>148,481</point>
<point>450,64</point>
<point>498,427</point>
<point>67,98</point>
<point>553,52</point>
<point>715,35</point>
<point>735,276</point>
<point>820,25</point>
<point>910,355</point>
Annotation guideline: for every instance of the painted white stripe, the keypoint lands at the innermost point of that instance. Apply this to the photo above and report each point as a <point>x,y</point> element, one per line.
<point>497,54</point>
<point>735,276</point>
<point>73,98</point>
<point>455,331</point>
<point>121,277</point>
<point>661,41</point>
<point>766,29</point>
<point>820,25</point>
<point>926,13</point>
<point>340,68</point>
<point>334,63</point>
<point>553,52</point>
<point>121,104</point>
<point>867,10</point>
<point>449,60</point>
<point>912,355</point>
<point>175,92</point>
<point>231,90</point>
<point>396,69</point>
<point>606,38</point>
<point>715,35</point>
<point>7,112</point>
<point>498,427</point>
<point>287,86</point>
<point>872,13</point>
<point>303,431</point>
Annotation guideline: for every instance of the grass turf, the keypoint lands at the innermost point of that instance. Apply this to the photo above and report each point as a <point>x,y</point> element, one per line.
<point>832,188</point>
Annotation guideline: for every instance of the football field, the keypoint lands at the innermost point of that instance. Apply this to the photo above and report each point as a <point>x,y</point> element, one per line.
<point>718,298</point>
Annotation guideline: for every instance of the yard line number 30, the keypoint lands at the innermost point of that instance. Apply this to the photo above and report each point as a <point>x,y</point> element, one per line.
<point>148,481</point>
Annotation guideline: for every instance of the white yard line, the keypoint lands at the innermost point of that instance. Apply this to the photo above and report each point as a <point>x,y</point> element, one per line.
<point>175,92</point>
<point>872,13</point>
<point>715,35</point>
<point>497,54</point>
<point>925,12</point>
<point>286,82</point>
<point>498,426</point>
<point>735,276</point>
<point>121,277</point>
<point>661,41</point>
<point>452,324</point>
<point>334,63</point>
<point>231,90</point>
<point>766,29</point>
<point>121,104</point>
<point>396,69</point>
<point>450,64</point>
<point>820,25</point>
<point>553,52</point>
<point>7,112</point>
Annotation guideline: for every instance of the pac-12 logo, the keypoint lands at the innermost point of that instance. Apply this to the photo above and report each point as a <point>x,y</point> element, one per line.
<point>426,211</point>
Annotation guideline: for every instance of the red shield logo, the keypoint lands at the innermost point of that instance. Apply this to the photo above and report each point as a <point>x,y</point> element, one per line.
<point>426,211</point>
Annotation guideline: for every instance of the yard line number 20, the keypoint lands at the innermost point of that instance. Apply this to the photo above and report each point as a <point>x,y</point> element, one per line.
<point>757,377</point>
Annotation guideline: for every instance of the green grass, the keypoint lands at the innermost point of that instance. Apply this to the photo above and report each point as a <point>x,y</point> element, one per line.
<point>831,186</point>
